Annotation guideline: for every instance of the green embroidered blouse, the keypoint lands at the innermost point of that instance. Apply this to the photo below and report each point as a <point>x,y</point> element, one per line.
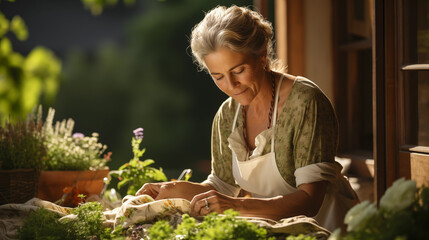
<point>306,132</point>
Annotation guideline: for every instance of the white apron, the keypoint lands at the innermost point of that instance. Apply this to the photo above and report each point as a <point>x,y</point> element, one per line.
<point>260,176</point>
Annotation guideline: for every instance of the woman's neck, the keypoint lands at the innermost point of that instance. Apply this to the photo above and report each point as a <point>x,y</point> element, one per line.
<point>262,102</point>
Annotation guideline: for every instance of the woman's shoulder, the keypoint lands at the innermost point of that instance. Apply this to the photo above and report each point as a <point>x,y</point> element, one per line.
<point>306,90</point>
<point>227,109</point>
<point>306,86</point>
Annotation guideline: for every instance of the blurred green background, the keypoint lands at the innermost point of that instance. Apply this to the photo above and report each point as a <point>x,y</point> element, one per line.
<point>128,66</point>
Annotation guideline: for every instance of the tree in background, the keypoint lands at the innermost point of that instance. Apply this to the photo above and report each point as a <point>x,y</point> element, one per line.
<point>24,79</point>
<point>150,82</point>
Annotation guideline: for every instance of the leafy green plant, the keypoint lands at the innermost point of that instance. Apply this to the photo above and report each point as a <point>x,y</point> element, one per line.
<point>23,80</point>
<point>44,224</point>
<point>88,224</point>
<point>135,173</point>
<point>68,151</point>
<point>22,145</point>
<point>214,226</point>
<point>89,221</point>
<point>403,213</point>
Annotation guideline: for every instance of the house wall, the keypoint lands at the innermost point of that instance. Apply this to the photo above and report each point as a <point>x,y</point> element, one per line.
<point>318,44</point>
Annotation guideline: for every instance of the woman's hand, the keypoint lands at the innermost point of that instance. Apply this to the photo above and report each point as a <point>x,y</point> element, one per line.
<point>151,189</point>
<point>212,201</point>
<point>175,189</point>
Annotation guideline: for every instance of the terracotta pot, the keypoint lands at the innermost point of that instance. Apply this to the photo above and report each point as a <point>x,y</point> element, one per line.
<point>52,183</point>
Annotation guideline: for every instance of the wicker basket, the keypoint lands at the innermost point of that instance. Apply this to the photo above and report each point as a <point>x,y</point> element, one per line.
<point>18,185</point>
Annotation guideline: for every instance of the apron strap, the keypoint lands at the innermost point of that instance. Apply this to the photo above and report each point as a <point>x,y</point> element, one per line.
<point>235,117</point>
<point>275,112</point>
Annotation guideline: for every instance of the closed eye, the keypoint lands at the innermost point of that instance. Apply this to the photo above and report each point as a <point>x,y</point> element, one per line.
<point>238,71</point>
<point>217,76</point>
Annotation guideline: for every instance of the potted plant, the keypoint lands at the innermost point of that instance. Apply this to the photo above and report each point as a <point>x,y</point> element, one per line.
<point>22,156</point>
<point>75,163</point>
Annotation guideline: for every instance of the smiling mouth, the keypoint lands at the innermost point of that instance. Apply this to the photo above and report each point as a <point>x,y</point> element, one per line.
<point>237,94</point>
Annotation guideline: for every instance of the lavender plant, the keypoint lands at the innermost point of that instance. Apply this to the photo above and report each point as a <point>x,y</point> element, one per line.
<point>22,145</point>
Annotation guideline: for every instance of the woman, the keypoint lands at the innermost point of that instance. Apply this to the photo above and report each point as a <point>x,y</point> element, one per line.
<point>275,138</point>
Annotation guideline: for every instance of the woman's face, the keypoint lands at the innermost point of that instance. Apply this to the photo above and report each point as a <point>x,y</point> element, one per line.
<point>236,74</point>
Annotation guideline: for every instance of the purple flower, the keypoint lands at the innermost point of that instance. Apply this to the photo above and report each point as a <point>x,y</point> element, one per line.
<point>138,133</point>
<point>78,135</point>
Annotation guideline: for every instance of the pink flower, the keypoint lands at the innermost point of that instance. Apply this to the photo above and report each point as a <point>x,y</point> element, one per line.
<point>78,135</point>
<point>138,133</point>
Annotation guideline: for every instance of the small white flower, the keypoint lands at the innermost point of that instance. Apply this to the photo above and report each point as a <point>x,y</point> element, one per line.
<point>357,217</point>
<point>399,196</point>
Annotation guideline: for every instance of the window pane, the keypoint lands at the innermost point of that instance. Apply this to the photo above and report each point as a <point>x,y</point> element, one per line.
<point>416,32</point>
<point>417,108</point>
<point>423,31</point>
<point>416,83</point>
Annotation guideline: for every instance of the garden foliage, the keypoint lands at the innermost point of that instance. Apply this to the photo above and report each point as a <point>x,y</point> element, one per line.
<point>214,226</point>
<point>88,224</point>
<point>24,79</point>
<point>403,213</point>
<point>136,173</point>
<point>22,145</point>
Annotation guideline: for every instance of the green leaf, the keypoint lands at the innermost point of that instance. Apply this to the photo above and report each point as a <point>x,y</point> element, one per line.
<point>124,182</point>
<point>134,163</point>
<point>5,47</point>
<point>19,28</point>
<point>147,162</point>
<point>4,25</point>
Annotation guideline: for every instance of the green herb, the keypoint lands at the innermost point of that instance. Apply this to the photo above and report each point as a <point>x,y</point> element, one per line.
<point>135,173</point>
<point>214,226</point>
<point>44,224</point>
<point>88,224</point>
<point>21,145</point>
<point>89,221</point>
<point>81,196</point>
<point>161,230</point>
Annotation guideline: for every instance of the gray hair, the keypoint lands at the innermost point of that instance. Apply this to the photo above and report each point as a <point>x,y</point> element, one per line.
<point>237,28</point>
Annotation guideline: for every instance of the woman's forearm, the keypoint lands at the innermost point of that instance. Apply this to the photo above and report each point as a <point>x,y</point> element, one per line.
<point>304,201</point>
<point>278,207</point>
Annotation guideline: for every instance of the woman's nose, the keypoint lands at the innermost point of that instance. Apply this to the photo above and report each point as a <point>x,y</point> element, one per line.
<point>232,82</point>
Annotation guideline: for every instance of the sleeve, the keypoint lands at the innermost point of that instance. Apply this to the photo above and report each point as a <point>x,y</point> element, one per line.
<point>221,176</point>
<point>316,136</point>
